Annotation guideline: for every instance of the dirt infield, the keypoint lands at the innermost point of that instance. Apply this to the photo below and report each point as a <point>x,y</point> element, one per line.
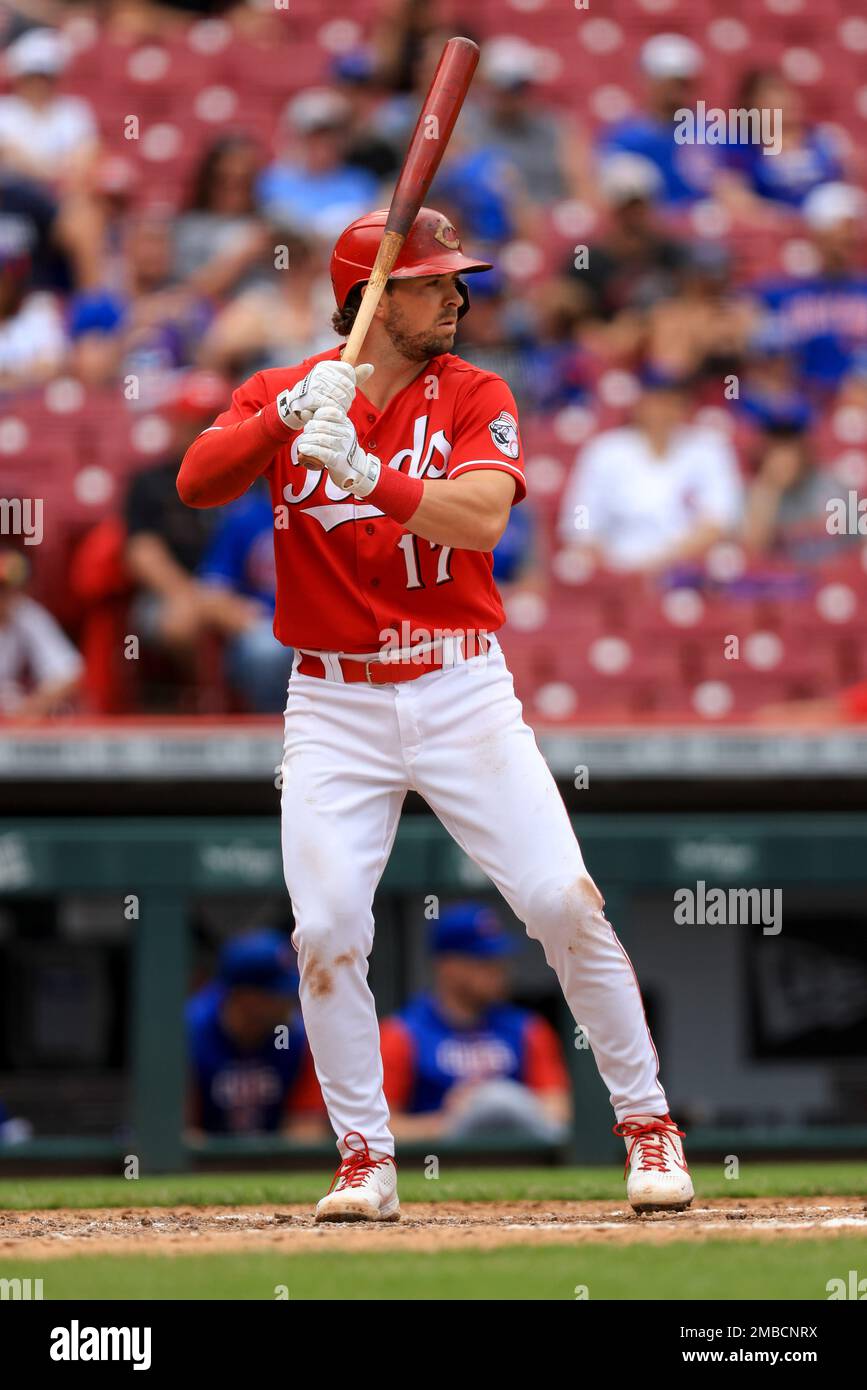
<point>424,1226</point>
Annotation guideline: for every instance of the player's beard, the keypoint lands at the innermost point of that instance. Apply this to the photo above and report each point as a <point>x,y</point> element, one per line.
<point>416,347</point>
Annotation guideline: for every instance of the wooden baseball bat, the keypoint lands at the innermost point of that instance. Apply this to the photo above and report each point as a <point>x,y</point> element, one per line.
<point>436,121</point>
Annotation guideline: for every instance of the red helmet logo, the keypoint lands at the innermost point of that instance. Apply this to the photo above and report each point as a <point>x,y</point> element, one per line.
<point>446,235</point>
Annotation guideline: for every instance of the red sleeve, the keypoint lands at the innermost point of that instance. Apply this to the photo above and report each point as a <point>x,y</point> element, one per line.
<point>854,701</point>
<point>227,458</point>
<point>398,1062</point>
<point>544,1068</point>
<point>305,1097</point>
<point>486,433</point>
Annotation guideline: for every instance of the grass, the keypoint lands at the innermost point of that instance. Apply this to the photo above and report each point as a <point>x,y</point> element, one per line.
<point>679,1270</point>
<point>695,1270</point>
<point>459,1184</point>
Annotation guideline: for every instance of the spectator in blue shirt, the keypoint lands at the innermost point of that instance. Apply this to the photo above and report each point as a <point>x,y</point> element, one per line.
<point>771,398</point>
<point>670,63</point>
<point>822,319</point>
<point>148,327</point>
<point>240,557</point>
<point>479,184</point>
<point>311,183</point>
<point>807,158</point>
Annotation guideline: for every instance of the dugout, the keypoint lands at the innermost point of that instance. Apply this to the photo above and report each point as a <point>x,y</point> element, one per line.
<point>762,1034</point>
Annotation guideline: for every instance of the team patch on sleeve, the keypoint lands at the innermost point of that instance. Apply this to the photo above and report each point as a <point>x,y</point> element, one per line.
<point>504,432</point>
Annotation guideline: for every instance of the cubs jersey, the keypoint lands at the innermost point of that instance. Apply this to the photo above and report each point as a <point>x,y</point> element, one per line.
<point>823,321</point>
<point>249,1091</point>
<point>424,1055</point>
<point>347,575</point>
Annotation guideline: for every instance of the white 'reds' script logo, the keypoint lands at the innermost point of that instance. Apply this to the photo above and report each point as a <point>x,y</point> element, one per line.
<point>504,432</point>
<point>77,1343</point>
<point>428,458</point>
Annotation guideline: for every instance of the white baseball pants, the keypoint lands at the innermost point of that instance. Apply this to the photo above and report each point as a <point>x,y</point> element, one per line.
<point>457,736</point>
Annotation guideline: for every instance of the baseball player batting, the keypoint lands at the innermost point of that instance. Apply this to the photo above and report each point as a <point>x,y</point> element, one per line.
<point>385,590</point>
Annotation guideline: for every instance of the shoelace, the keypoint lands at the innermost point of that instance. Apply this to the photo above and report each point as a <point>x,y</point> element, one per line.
<point>650,1137</point>
<point>357,1163</point>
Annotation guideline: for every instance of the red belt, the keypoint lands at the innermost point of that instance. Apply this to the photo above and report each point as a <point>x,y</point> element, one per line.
<point>384,669</point>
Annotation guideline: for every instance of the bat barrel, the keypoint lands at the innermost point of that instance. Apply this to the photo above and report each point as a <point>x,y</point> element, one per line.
<point>436,122</point>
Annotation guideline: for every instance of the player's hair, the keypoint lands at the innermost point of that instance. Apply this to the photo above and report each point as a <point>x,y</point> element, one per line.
<point>343,319</point>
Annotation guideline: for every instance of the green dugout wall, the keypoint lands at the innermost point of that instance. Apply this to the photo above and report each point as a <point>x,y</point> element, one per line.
<point>166,862</point>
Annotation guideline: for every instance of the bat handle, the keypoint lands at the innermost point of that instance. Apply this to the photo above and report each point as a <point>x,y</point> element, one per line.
<point>387,255</point>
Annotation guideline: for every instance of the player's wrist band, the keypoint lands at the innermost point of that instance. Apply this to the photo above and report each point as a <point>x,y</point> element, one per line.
<point>273,424</point>
<point>396,494</point>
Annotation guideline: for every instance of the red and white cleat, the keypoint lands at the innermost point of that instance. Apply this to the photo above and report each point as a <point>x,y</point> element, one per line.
<point>364,1187</point>
<point>659,1177</point>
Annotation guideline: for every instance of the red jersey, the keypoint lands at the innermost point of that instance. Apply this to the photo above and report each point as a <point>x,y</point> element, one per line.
<point>347,575</point>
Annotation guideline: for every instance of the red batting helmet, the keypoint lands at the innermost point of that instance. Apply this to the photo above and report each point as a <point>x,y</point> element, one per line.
<point>432,247</point>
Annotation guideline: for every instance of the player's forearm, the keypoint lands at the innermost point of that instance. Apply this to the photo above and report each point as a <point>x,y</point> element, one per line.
<point>221,464</point>
<point>447,519</point>
<point>461,512</point>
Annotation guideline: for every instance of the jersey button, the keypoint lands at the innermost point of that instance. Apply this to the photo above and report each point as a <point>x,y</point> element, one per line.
<point>369,529</point>
<point>374,583</point>
<point>371,418</point>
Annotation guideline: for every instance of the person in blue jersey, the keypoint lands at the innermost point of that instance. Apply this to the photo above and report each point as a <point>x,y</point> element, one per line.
<point>670,63</point>
<point>250,1066</point>
<point>459,1060</point>
<point>822,318</point>
<point>240,560</point>
<point>759,179</point>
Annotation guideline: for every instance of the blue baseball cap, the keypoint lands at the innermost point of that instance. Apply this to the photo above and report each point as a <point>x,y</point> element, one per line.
<point>260,959</point>
<point>654,378</point>
<point>358,65</point>
<point>471,929</point>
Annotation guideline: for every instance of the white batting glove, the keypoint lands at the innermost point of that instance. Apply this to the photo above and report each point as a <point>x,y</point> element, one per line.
<point>330,440</point>
<point>328,383</point>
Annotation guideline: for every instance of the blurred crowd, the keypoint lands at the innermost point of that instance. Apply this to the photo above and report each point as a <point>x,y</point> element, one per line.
<point>636,279</point>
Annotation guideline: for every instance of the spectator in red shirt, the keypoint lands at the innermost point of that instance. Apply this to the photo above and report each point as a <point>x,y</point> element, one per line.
<point>459,1060</point>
